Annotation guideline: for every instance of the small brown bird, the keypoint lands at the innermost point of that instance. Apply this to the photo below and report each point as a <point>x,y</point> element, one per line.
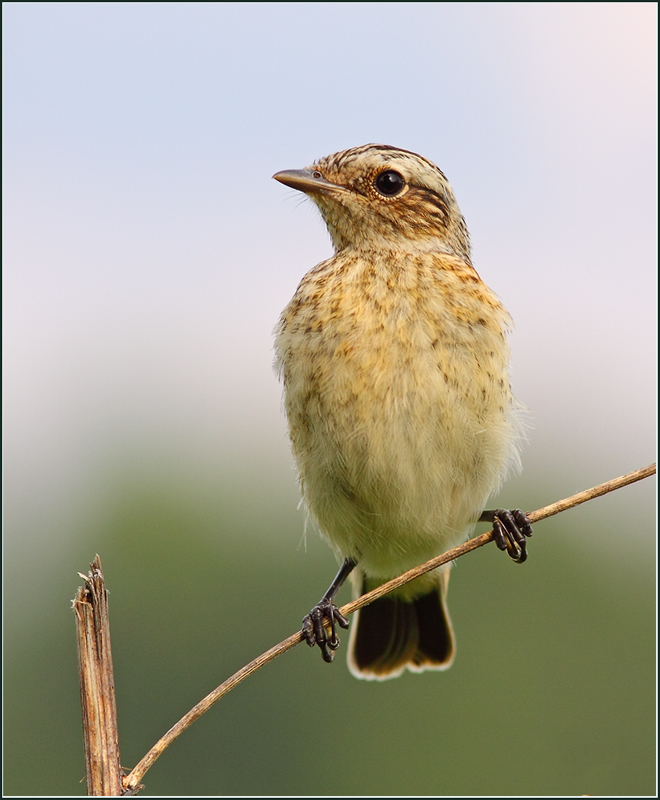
<point>394,359</point>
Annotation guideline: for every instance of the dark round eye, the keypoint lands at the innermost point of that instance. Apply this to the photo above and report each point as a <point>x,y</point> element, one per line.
<point>389,183</point>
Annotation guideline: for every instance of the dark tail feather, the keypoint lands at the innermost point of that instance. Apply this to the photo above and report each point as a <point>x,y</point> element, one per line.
<point>392,634</point>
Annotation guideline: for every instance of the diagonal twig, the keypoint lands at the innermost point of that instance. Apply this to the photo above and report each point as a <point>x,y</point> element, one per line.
<point>132,781</point>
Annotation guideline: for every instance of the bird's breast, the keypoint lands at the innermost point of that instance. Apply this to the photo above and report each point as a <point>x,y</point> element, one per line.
<point>397,396</point>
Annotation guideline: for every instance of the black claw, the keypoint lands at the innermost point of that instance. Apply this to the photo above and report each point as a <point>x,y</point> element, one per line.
<point>325,613</point>
<point>499,536</point>
<point>308,630</point>
<point>510,532</point>
<point>341,619</point>
<point>314,630</point>
<point>328,655</point>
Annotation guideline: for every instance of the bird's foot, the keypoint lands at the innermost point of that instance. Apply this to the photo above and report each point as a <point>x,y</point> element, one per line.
<point>314,630</point>
<point>510,532</point>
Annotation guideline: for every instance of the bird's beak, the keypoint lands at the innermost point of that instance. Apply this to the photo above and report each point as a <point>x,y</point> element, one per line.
<point>309,181</point>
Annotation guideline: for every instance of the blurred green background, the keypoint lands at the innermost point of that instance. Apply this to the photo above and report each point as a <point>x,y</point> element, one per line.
<point>552,691</point>
<point>147,255</point>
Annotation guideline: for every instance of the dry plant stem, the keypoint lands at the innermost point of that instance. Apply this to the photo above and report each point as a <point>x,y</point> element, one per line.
<point>132,780</point>
<point>97,686</point>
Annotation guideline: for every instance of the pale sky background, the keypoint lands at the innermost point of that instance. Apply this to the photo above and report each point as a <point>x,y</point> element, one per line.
<point>148,253</point>
<point>147,256</point>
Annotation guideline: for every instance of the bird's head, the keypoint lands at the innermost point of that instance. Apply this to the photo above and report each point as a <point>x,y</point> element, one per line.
<point>378,197</point>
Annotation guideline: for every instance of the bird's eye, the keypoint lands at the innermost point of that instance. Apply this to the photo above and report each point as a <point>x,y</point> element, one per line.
<point>389,183</point>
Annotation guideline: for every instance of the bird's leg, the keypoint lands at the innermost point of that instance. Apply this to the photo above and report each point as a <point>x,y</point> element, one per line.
<point>313,628</point>
<point>510,531</point>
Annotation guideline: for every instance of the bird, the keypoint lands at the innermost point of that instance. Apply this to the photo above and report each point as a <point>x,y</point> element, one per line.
<point>394,361</point>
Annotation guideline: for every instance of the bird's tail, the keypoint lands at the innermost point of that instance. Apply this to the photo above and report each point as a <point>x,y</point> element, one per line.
<point>395,633</point>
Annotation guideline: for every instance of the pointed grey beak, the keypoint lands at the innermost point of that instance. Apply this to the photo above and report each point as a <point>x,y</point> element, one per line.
<point>307,180</point>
